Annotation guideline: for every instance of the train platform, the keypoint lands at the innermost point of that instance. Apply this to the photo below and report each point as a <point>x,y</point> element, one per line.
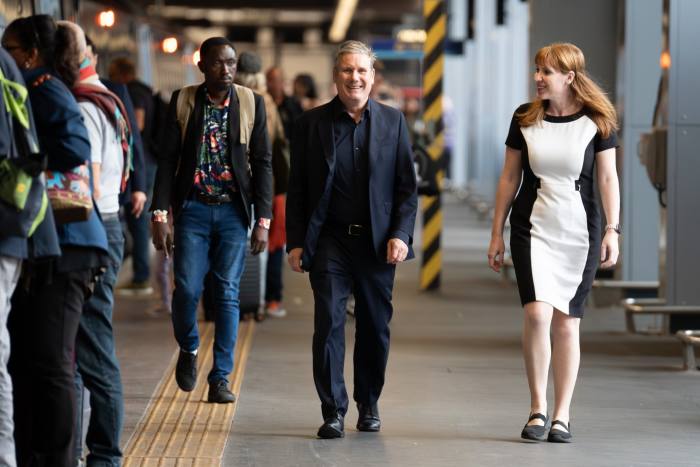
<point>455,393</point>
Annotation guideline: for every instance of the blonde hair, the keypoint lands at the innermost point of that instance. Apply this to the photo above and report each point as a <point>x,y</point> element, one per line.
<point>565,57</point>
<point>355,47</point>
<point>254,81</point>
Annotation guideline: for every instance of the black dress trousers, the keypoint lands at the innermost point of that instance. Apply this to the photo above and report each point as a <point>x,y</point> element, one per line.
<point>343,263</point>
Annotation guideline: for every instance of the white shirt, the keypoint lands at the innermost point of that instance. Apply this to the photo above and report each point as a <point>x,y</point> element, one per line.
<point>105,149</point>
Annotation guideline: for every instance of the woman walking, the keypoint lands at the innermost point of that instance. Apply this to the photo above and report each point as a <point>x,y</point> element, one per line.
<point>553,146</point>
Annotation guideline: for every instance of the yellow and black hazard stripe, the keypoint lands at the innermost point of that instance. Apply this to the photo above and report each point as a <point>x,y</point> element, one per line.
<point>434,13</point>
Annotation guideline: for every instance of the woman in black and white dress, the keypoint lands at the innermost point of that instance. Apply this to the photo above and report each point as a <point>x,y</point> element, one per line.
<point>553,147</point>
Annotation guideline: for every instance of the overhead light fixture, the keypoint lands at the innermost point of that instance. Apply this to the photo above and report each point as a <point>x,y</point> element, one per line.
<point>341,21</point>
<point>412,36</point>
<point>106,19</point>
<point>169,45</point>
<point>195,57</point>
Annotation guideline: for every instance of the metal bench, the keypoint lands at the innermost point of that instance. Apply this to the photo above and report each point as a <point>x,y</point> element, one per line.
<point>654,306</point>
<point>608,292</point>
<point>689,339</point>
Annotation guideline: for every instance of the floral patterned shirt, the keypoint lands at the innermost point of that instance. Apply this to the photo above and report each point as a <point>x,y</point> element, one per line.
<point>213,174</point>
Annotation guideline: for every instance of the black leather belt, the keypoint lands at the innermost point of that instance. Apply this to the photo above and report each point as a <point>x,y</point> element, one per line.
<point>212,200</point>
<point>355,230</point>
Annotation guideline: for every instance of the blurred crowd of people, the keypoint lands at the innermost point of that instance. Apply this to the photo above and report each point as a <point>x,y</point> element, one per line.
<point>67,132</point>
<point>65,129</point>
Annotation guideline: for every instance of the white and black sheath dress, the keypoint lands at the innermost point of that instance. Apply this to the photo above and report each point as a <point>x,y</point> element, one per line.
<point>555,221</point>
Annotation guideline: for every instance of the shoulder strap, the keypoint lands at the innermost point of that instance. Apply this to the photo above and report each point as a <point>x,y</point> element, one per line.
<point>184,106</point>
<point>246,100</point>
<point>15,97</point>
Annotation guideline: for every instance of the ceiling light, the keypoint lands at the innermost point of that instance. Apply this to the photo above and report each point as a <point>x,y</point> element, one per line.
<point>341,21</point>
<point>106,19</point>
<point>169,45</point>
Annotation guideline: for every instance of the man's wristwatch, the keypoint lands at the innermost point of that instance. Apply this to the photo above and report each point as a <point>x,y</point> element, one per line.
<point>616,227</point>
<point>264,223</point>
<point>160,215</point>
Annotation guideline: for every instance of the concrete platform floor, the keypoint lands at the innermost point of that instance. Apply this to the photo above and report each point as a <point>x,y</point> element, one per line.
<point>456,393</point>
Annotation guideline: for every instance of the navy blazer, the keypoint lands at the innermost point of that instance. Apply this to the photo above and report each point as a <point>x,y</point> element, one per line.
<point>392,179</point>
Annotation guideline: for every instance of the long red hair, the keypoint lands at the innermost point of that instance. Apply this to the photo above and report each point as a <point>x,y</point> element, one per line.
<point>565,57</point>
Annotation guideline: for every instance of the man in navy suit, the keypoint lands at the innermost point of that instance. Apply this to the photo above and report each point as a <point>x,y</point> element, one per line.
<point>351,208</point>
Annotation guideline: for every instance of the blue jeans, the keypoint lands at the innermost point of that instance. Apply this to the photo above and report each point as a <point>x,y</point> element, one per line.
<point>209,238</point>
<point>96,359</point>
<point>140,231</point>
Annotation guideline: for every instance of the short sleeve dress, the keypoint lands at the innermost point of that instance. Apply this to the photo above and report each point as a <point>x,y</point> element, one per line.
<point>555,221</point>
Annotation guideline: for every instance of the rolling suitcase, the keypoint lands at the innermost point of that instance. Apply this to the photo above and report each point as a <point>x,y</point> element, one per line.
<point>251,287</point>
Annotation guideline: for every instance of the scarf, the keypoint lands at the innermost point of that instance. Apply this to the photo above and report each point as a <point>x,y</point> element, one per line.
<point>110,104</point>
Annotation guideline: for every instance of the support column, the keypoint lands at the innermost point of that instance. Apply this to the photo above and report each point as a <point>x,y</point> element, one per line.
<point>433,69</point>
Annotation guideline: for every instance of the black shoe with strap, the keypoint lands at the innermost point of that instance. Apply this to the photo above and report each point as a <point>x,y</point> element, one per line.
<point>557,435</point>
<point>536,432</point>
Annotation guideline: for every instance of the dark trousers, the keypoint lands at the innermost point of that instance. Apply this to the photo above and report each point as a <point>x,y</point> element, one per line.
<point>342,262</point>
<point>140,230</point>
<point>43,326</point>
<point>273,280</point>
<point>98,368</point>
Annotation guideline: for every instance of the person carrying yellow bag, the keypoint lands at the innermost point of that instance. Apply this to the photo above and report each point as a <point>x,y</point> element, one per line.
<point>26,223</point>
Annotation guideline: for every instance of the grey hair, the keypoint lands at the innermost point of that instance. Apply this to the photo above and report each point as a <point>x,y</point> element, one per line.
<point>355,47</point>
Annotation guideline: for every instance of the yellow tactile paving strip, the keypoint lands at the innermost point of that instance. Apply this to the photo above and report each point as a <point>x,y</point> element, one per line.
<point>180,428</point>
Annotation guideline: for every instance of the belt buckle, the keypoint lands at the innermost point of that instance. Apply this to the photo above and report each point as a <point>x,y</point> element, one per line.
<point>354,230</point>
<point>209,200</point>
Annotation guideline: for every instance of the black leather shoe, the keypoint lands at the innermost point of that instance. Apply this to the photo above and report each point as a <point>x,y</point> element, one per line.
<point>220,393</point>
<point>332,427</point>
<point>557,435</point>
<point>369,418</point>
<point>186,371</point>
<point>536,432</point>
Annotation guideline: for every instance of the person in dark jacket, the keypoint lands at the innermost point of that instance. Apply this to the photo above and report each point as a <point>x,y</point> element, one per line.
<point>42,244</point>
<point>212,177</point>
<point>46,309</point>
<point>351,209</point>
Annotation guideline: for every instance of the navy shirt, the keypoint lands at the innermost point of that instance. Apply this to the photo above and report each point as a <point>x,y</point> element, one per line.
<point>349,202</point>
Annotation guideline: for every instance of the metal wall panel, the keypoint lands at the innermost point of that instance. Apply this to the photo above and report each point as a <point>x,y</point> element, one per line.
<point>636,97</point>
<point>683,259</point>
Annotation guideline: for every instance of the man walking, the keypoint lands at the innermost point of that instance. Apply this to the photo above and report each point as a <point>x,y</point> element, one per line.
<point>215,167</point>
<point>351,208</point>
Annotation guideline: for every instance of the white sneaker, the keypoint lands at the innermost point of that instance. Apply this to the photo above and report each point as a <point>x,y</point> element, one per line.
<point>275,310</point>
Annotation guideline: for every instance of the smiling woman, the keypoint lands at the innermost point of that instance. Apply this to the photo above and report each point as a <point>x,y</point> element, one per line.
<point>554,145</point>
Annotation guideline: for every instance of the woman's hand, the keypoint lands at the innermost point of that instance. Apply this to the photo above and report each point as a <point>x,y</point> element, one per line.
<point>496,251</point>
<point>610,249</point>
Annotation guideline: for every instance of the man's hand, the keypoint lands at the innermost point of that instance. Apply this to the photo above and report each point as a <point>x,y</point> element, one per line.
<point>138,201</point>
<point>163,237</point>
<point>258,241</point>
<point>294,259</point>
<point>396,251</point>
